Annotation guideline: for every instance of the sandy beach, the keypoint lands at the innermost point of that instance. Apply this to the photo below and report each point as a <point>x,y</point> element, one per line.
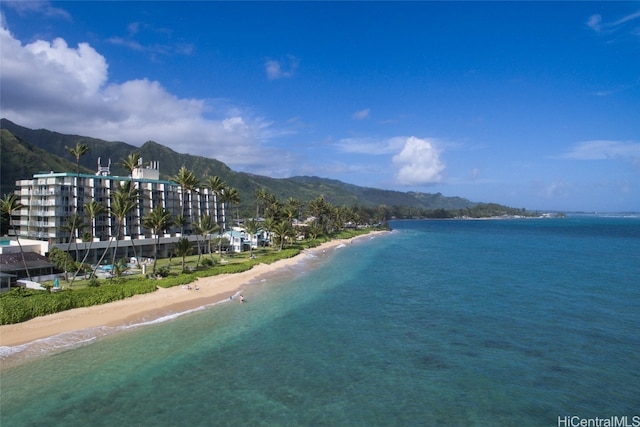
<point>148,306</point>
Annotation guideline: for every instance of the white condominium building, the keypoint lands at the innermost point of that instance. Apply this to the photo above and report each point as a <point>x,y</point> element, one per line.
<point>50,200</point>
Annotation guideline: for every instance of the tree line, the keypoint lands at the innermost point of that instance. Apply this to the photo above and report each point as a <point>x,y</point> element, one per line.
<point>278,219</point>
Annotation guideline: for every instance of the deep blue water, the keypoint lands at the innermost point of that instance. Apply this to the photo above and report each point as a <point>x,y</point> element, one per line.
<point>447,323</point>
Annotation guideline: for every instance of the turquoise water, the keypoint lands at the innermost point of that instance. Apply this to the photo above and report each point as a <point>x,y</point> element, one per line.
<point>448,323</point>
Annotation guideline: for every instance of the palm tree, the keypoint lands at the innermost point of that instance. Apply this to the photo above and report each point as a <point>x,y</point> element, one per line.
<point>283,230</point>
<point>92,210</point>
<point>319,208</point>
<point>215,184</point>
<point>204,227</point>
<point>74,223</point>
<point>382,214</point>
<point>233,198</point>
<point>251,227</point>
<point>131,162</point>
<point>292,208</point>
<point>158,220</point>
<point>229,196</point>
<point>183,249</point>
<point>294,205</point>
<point>262,195</point>
<point>269,225</point>
<point>119,268</point>
<point>179,221</point>
<point>123,201</point>
<point>315,230</point>
<point>188,182</point>
<point>272,210</point>
<point>9,205</point>
<point>77,152</point>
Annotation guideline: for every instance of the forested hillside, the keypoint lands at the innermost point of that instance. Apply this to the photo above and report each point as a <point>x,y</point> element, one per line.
<point>27,151</point>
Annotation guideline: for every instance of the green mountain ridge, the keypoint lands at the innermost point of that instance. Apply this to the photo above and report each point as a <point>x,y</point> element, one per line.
<point>47,152</point>
<point>21,160</point>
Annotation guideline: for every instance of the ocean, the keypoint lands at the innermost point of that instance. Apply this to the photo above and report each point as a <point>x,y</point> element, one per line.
<point>519,322</point>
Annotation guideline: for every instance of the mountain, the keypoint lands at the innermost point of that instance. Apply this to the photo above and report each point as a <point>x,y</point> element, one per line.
<point>46,152</point>
<point>21,159</point>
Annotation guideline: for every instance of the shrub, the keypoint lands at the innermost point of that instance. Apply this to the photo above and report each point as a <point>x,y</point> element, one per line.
<point>163,271</point>
<point>208,262</point>
<point>20,306</point>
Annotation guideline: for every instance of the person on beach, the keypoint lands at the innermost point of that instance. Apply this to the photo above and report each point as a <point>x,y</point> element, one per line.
<point>241,298</point>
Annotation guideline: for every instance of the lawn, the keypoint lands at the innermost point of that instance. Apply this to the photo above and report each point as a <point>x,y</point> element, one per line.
<point>19,304</point>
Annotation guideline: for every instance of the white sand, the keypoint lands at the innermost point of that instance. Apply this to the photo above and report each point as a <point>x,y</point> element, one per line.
<point>148,306</point>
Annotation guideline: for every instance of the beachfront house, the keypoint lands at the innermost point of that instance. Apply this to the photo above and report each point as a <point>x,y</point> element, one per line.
<point>12,266</point>
<point>236,240</point>
<point>240,241</point>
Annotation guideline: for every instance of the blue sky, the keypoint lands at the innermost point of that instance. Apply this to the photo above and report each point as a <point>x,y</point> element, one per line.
<point>533,105</point>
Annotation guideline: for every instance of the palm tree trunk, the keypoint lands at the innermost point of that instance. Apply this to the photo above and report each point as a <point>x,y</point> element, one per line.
<point>102,256</point>
<point>199,250</point>
<point>24,261</point>
<point>155,253</point>
<point>84,259</point>
<point>133,244</point>
<point>115,251</point>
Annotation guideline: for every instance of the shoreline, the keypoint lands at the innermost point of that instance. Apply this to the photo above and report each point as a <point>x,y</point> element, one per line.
<point>148,307</point>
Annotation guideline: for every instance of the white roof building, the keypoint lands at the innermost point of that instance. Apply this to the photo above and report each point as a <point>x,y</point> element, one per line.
<point>50,199</point>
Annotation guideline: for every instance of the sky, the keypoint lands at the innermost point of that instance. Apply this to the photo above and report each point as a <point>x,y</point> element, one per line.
<point>532,105</point>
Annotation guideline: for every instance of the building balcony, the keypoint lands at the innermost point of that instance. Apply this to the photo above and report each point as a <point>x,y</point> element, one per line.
<point>45,202</point>
<point>47,213</point>
<point>41,224</point>
<point>45,192</point>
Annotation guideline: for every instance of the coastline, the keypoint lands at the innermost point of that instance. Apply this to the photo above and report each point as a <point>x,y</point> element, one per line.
<point>148,307</point>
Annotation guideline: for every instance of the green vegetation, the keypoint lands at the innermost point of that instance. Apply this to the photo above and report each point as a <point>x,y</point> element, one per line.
<point>21,159</point>
<point>21,304</point>
<point>332,209</point>
<point>480,210</point>
<point>52,155</point>
<point>45,150</point>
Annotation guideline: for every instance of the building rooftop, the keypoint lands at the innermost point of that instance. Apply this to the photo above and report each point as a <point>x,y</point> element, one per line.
<point>109,177</point>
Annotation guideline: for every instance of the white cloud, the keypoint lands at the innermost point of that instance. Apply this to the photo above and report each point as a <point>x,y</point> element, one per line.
<point>627,18</point>
<point>281,69</point>
<point>168,47</point>
<point>552,190</point>
<point>596,24</point>
<point>37,6</point>
<point>83,64</point>
<point>66,89</point>
<point>131,44</point>
<point>419,163</point>
<point>362,114</point>
<point>603,150</point>
<point>371,146</point>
